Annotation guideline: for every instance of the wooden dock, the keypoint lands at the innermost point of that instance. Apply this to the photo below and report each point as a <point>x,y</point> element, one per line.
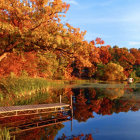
<point>32,109</point>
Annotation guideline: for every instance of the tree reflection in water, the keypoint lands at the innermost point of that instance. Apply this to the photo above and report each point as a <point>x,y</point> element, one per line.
<point>79,137</point>
<point>44,126</point>
<point>86,103</point>
<point>103,101</point>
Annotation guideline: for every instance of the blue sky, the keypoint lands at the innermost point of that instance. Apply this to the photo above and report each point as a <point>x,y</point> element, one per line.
<point>117,22</point>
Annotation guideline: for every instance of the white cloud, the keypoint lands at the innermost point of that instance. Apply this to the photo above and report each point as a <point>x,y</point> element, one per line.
<point>132,43</point>
<point>71,2</point>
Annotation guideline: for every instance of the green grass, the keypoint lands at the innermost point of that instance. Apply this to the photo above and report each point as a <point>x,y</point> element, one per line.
<point>18,85</point>
<point>25,90</point>
<point>5,134</point>
<point>13,88</point>
<point>22,84</point>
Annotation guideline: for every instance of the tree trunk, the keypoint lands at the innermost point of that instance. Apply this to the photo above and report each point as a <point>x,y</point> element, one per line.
<point>3,56</point>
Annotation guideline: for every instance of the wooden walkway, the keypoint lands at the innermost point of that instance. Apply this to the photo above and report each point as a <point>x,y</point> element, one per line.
<point>31,109</point>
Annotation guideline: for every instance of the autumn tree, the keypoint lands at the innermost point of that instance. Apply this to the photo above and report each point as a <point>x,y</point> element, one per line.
<point>136,54</point>
<point>36,25</point>
<point>124,58</point>
<point>19,64</point>
<point>91,57</point>
<point>33,25</point>
<point>98,54</point>
<point>114,72</point>
<point>50,65</point>
<point>30,24</point>
<point>105,55</point>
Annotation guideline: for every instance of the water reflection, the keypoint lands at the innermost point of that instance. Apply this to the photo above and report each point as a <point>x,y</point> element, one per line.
<point>35,126</point>
<point>78,137</point>
<point>104,101</point>
<point>98,103</point>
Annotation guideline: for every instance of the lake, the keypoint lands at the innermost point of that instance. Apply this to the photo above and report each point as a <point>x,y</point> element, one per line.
<point>108,111</point>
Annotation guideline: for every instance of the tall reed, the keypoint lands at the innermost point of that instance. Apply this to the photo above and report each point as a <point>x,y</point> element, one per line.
<point>5,134</point>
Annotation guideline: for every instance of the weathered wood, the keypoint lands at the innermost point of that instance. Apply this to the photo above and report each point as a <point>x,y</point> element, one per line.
<point>31,107</point>
<point>60,99</point>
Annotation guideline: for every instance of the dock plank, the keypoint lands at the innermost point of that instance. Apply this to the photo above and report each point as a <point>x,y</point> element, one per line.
<point>31,107</point>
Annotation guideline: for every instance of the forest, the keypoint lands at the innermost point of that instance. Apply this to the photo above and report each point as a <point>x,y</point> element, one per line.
<point>34,42</point>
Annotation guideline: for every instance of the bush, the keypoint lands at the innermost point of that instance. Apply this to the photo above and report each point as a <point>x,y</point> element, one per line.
<point>114,72</point>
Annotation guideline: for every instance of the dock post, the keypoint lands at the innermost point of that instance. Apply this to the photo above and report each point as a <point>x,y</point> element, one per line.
<point>60,99</point>
<point>71,100</point>
<point>71,113</point>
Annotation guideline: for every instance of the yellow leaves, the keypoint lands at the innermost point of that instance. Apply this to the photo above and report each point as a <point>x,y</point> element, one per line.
<point>54,46</point>
<point>114,72</point>
<point>59,39</point>
<point>68,25</point>
<point>7,27</point>
<point>19,11</point>
<point>67,41</point>
<point>83,62</point>
<point>36,22</point>
<point>114,67</point>
<point>59,20</point>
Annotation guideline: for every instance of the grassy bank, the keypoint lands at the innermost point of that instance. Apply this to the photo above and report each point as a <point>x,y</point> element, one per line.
<point>22,84</point>
<point>18,85</point>
<point>25,90</point>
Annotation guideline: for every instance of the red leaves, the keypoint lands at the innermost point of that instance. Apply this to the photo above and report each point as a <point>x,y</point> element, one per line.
<point>99,41</point>
<point>92,42</point>
<point>124,57</point>
<point>136,54</point>
<point>105,55</point>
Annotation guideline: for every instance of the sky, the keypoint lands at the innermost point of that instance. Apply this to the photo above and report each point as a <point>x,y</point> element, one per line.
<point>117,22</point>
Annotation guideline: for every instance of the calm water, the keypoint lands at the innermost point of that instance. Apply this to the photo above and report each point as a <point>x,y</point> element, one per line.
<point>106,111</point>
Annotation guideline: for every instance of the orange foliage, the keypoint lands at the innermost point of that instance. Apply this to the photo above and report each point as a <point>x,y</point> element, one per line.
<point>125,59</point>
<point>136,54</point>
<point>105,55</point>
<point>99,41</point>
<point>18,63</point>
<point>114,72</point>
